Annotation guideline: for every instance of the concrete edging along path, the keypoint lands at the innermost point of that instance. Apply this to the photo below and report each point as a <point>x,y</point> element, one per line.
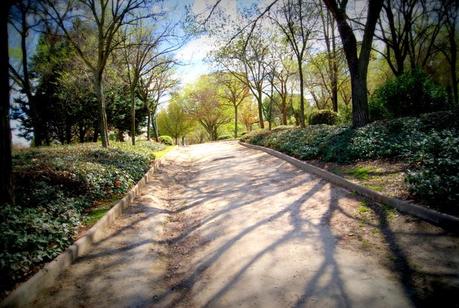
<point>45,277</point>
<point>445,221</point>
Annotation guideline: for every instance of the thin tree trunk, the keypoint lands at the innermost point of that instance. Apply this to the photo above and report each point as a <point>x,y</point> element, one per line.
<point>300,72</point>
<point>81,133</point>
<point>453,64</point>
<point>148,124</point>
<point>132,114</point>
<point>260,109</point>
<point>6,174</point>
<point>235,121</point>
<point>95,136</point>
<point>99,83</point>
<point>155,128</point>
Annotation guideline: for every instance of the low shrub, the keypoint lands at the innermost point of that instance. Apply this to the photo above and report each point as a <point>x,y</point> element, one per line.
<point>435,177</point>
<point>54,186</point>
<point>429,143</point>
<point>410,94</point>
<point>325,116</point>
<point>167,140</point>
<point>224,137</point>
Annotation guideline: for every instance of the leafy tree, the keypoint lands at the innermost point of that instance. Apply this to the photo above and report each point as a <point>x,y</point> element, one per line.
<point>296,19</point>
<point>174,121</point>
<point>248,115</point>
<point>105,18</point>
<point>234,93</point>
<point>206,107</point>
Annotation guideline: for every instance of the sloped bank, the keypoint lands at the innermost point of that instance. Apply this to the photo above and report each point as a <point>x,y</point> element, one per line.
<point>445,221</point>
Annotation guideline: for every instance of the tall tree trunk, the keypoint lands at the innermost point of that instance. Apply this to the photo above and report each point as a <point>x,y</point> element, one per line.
<point>148,124</point>
<point>68,132</point>
<point>358,64</point>
<point>300,72</point>
<point>453,64</point>
<point>103,126</point>
<point>334,67</point>
<point>359,98</point>
<point>6,174</point>
<point>260,108</point>
<point>81,133</point>
<point>132,91</point>
<point>95,136</point>
<point>155,128</point>
<point>235,121</point>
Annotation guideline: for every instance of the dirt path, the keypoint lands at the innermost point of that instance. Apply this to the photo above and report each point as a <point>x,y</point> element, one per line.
<point>226,226</point>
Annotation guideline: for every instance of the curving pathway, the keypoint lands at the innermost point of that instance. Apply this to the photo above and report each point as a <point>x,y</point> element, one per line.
<point>226,226</point>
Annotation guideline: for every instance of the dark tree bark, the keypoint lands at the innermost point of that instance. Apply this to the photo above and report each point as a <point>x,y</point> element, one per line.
<point>357,62</point>
<point>6,177</point>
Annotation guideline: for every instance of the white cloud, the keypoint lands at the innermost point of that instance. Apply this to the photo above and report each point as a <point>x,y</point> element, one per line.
<point>195,50</point>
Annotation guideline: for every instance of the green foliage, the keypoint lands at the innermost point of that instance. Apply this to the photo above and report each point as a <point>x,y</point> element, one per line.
<point>225,137</point>
<point>324,116</point>
<point>54,188</point>
<point>167,140</point>
<point>412,93</point>
<point>435,177</point>
<point>429,143</point>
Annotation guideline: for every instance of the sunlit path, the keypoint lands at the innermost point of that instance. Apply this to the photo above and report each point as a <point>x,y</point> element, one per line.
<point>223,225</point>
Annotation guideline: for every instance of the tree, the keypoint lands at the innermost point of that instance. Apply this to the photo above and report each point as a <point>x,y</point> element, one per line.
<point>23,20</point>
<point>234,93</point>
<point>245,61</point>
<point>248,115</point>
<point>6,178</point>
<point>282,76</point>
<point>357,55</point>
<point>152,88</point>
<point>205,106</point>
<point>143,50</point>
<point>329,36</point>
<point>449,14</point>
<point>296,19</point>
<point>106,17</point>
<point>174,121</point>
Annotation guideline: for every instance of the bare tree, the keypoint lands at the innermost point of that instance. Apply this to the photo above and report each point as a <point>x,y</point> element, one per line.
<point>297,19</point>
<point>449,15</point>
<point>357,58</point>
<point>6,178</point>
<point>24,19</point>
<point>106,17</point>
<point>144,50</point>
<point>329,36</point>
<point>152,88</point>
<point>246,63</point>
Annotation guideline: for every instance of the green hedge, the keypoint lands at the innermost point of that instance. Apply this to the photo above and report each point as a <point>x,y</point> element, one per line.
<point>430,143</point>
<point>323,117</point>
<point>54,187</point>
<point>167,140</point>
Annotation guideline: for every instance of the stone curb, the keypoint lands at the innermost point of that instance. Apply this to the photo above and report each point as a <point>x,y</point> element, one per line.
<point>445,221</point>
<point>26,293</point>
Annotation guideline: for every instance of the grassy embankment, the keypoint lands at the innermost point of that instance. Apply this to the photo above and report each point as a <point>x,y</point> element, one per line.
<point>408,158</point>
<point>61,190</point>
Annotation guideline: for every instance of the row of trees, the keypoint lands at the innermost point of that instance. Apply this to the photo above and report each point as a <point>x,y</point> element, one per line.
<point>208,109</point>
<point>81,68</point>
<point>322,50</point>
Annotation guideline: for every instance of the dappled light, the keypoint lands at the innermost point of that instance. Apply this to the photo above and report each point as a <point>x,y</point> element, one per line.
<point>208,153</point>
